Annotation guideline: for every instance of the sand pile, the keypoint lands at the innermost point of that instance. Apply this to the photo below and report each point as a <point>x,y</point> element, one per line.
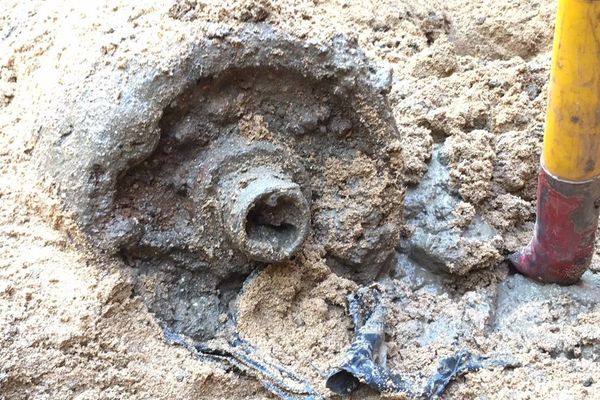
<point>468,94</point>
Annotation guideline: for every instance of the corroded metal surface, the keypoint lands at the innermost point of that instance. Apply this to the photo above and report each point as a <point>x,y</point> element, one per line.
<point>251,143</point>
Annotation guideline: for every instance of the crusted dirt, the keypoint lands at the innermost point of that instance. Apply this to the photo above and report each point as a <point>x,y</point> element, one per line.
<point>297,310</point>
<point>472,77</point>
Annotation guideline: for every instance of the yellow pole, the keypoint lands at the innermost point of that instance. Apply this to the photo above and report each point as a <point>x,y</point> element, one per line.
<point>572,138</point>
<point>568,194</point>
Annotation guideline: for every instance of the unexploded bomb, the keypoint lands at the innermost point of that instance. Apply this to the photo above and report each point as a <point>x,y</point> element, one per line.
<point>232,157</point>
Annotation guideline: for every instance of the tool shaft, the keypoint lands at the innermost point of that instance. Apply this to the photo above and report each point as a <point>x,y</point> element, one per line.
<point>569,181</point>
<point>572,136</point>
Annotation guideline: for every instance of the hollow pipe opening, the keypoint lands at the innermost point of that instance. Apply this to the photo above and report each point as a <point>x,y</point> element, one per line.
<point>270,218</point>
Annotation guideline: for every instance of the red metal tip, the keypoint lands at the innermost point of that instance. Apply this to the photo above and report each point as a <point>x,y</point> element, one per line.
<point>563,240</point>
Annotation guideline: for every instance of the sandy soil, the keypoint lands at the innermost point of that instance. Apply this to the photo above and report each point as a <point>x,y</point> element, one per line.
<point>472,77</point>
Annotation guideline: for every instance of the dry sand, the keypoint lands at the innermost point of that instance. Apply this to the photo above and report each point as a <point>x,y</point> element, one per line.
<point>472,76</point>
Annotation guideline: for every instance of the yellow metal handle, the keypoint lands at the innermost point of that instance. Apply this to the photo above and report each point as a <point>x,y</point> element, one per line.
<point>572,137</point>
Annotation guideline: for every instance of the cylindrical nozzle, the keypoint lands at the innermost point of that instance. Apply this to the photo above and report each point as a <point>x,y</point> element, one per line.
<point>269,217</point>
<point>568,187</point>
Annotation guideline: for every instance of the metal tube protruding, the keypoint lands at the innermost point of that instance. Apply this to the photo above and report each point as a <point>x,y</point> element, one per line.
<point>269,217</point>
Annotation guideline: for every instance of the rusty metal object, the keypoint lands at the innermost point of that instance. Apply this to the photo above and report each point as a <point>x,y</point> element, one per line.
<point>563,241</point>
<point>267,216</point>
<point>250,143</point>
